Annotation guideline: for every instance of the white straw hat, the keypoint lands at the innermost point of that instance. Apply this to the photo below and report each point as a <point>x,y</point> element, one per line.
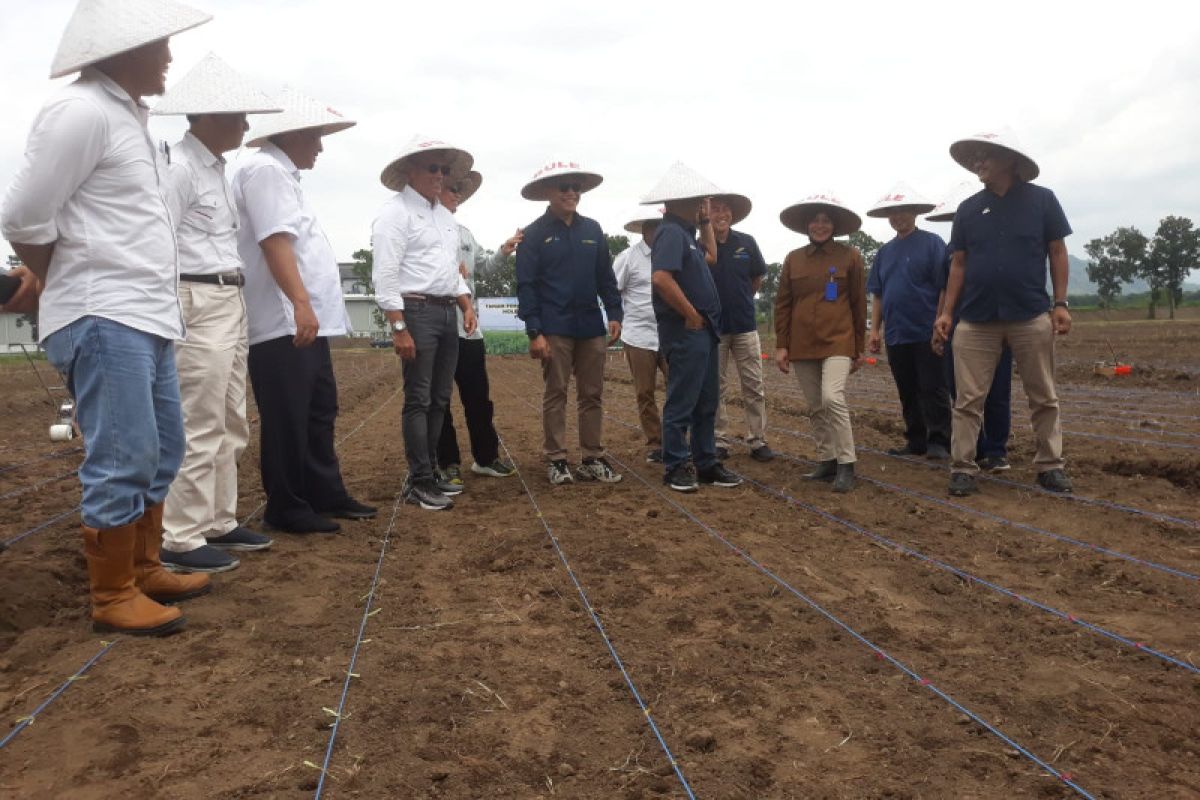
<point>901,196</point>
<point>739,204</point>
<point>963,151</point>
<point>395,174</point>
<point>539,185</point>
<point>469,184</point>
<point>682,183</point>
<point>100,29</point>
<point>300,113</point>
<point>214,87</point>
<point>945,210</point>
<point>643,215</point>
<point>798,215</point>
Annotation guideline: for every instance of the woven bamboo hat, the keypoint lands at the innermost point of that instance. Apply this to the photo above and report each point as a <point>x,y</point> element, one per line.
<point>395,174</point>
<point>468,185</point>
<point>901,197</point>
<point>300,113</point>
<point>214,87</point>
<point>798,215</point>
<point>641,216</point>
<point>963,151</point>
<point>100,29</point>
<point>554,171</point>
<point>945,210</point>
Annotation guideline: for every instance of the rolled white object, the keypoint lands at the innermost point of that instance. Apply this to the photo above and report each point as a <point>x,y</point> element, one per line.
<point>62,432</point>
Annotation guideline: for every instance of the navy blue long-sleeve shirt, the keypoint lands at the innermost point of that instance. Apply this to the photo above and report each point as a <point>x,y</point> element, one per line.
<point>561,270</point>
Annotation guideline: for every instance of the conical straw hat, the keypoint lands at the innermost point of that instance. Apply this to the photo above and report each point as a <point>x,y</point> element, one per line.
<point>901,196</point>
<point>469,184</point>
<point>300,112</point>
<point>963,151</point>
<point>945,210</point>
<point>100,29</point>
<point>395,174</point>
<point>798,215</point>
<point>681,183</point>
<point>642,215</point>
<point>214,87</point>
<point>538,187</point>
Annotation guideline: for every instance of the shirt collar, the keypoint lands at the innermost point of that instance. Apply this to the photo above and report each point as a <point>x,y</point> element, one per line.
<point>677,220</point>
<point>206,156</point>
<point>642,247</point>
<point>112,87</point>
<point>271,149</point>
<point>822,247</point>
<point>413,196</point>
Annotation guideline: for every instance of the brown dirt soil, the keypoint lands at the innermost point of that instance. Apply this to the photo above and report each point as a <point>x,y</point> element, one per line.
<point>482,674</point>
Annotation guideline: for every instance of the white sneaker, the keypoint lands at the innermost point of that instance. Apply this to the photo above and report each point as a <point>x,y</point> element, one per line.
<point>559,473</point>
<point>597,469</point>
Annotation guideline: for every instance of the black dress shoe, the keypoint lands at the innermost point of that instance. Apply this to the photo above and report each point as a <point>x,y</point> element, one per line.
<point>305,523</point>
<point>351,509</point>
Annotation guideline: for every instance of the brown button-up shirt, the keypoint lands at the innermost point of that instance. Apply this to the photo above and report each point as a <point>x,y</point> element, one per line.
<point>806,324</point>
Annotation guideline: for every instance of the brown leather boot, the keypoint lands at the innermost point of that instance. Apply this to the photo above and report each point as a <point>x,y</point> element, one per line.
<point>155,581</point>
<point>117,605</point>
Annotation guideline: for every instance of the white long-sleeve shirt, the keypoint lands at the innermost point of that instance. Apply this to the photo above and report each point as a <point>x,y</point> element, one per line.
<point>202,204</point>
<point>478,262</point>
<point>92,185</point>
<point>632,268</point>
<point>416,251</point>
<point>270,200</point>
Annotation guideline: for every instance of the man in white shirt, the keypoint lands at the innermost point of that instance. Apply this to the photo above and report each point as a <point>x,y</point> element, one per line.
<point>470,372</point>
<point>85,213</point>
<point>293,304</point>
<point>418,286</point>
<point>639,333</point>
<point>200,525</point>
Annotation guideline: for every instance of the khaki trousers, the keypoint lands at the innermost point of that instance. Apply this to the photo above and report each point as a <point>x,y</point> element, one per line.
<point>202,502</point>
<point>743,349</point>
<point>823,382</point>
<point>977,349</point>
<point>644,366</point>
<point>583,358</point>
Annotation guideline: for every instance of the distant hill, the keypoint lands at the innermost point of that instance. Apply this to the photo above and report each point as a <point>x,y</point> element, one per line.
<point>1079,283</point>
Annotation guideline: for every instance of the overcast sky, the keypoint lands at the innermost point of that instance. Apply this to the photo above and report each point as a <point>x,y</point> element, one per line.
<point>770,99</point>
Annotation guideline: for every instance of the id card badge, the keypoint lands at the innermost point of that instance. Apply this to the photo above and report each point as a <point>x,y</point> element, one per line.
<point>831,286</point>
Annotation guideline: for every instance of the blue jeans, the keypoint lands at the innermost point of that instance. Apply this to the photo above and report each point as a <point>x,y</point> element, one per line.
<point>997,409</point>
<point>126,395</point>
<point>693,395</point>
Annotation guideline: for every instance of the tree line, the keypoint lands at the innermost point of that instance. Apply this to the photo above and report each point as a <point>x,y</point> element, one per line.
<point>1163,262</point>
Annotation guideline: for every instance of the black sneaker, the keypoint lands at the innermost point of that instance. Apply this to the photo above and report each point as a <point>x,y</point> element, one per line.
<point>305,523</point>
<point>1054,480</point>
<point>597,469</point>
<point>559,473</point>
<point>446,484</point>
<point>722,453</point>
<point>240,539</point>
<point>424,493</point>
<point>717,475</point>
<point>907,450</point>
<point>681,479</point>
<point>203,559</point>
<point>350,509</point>
<point>762,453</point>
<point>937,452</point>
<point>825,471</point>
<point>962,484</point>
<point>994,464</point>
<point>654,456</point>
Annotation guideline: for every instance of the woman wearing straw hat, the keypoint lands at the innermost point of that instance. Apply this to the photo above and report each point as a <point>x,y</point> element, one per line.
<point>820,325</point>
<point>200,525</point>
<point>294,304</point>
<point>563,264</point>
<point>86,215</point>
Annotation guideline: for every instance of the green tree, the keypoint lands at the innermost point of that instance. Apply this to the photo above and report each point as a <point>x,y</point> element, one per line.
<point>868,245</point>
<point>764,301</point>
<point>364,261</point>
<point>1174,252</point>
<point>616,243</point>
<point>500,282</point>
<point>1114,260</point>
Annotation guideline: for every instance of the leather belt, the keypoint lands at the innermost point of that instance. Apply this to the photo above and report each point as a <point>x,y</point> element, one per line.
<point>220,279</point>
<point>433,300</point>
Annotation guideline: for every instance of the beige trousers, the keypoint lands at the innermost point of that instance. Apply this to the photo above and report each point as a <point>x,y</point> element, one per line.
<point>583,358</point>
<point>823,382</point>
<point>977,349</point>
<point>644,366</point>
<point>745,352</point>
<point>211,361</point>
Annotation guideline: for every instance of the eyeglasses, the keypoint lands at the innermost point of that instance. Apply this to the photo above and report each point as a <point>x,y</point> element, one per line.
<point>570,187</point>
<point>434,169</point>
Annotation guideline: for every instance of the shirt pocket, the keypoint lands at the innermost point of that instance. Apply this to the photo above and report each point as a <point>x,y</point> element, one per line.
<point>203,217</point>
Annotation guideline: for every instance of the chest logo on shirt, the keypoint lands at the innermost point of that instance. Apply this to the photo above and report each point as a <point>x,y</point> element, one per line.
<point>987,210</point>
<point>591,242</point>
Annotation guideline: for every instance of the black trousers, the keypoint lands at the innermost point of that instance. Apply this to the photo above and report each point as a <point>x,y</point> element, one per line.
<point>471,376</point>
<point>297,407</point>
<point>924,398</point>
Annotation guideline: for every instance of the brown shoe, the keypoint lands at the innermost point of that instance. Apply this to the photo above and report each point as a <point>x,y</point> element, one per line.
<point>155,581</point>
<point>117,605</point>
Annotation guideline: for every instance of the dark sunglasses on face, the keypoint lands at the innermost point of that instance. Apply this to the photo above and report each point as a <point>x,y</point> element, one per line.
<point>434,169</point>
<point>455,189</point>
<point>570,187</point>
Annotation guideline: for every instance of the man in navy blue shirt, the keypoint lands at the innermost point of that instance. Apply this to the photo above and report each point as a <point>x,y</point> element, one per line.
<point>563,264</point>
<point>906,281</point>
<point>688,311</point>
<point>1000,242</point>
<point>738,274</point>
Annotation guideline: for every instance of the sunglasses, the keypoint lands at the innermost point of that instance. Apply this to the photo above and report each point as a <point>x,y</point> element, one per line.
<point>434,169</point>
<point>454,189</point>
<point>570,187</point>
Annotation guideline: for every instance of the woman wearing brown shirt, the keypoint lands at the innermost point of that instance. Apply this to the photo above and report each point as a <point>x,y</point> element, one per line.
<point>820,325</point>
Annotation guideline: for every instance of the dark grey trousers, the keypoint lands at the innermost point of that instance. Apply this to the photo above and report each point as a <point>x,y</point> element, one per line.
<point>428,380</point>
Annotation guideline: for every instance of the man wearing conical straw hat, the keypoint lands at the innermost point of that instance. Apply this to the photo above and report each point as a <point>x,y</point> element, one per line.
<point>563,265</point>
<point>200,525</point>
<point>416,244</point>
<point>470,373</point>
<point>1002,238</point>
<point>905,280</point>
<point>639,329</point>
<point>294,304</point>
<point>688,311</point>
<point>86,214</point>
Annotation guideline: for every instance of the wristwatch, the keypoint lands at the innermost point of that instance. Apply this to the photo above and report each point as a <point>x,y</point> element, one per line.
<point>399,326</point>
<point>1061,304</point>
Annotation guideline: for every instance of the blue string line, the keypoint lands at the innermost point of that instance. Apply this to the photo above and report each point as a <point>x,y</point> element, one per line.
<point>10,542</point>
<point>18,492</point>
<point>612,650</point>
<point>1179,573</point>
<point>362,629</point>
<point>27,721</point>
<point>879,652</point>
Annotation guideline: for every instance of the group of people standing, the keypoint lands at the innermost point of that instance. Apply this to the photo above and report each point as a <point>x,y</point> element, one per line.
<point>162,283</point>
